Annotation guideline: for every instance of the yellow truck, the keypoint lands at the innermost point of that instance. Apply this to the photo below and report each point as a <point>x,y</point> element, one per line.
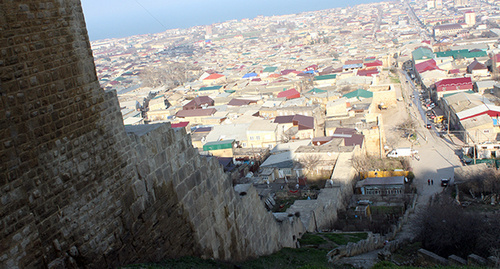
<point>438,119</point>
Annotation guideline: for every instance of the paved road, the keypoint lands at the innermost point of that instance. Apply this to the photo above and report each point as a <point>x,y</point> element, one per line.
<point>438,158</point>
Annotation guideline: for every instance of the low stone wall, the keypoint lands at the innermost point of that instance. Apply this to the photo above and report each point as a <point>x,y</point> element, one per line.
<point>428,258</point>
<point>375,241</point>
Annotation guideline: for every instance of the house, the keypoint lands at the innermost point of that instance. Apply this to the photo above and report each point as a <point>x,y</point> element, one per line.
<point>426,66</point>
<point>214,79</point>
<point>182,124</point>
<point>198,136</point>
<point>479,128</point>
<point>196,116</point>
<point>281,165</point>
<point>262,133</point>
<point>467,113</point>
<point>422,54</point>
<point>241,102</point>
<point>295,127</point>
<point>199,102</point>
<point>478,69</point>
<point>157,103</point>
<point>451,29</point>
<point>325,80</point>
<point>381,186</point>
<point>484,86</point>
<point>450,85</point>
<point>338,108</point>
<point>305,126</point>
<point>462,54</point>
<point>212,90</point>
<point>289,94</point>
<point>359,94</point>
<point>222,148</point>
<point>367,72</point>
<point>350,136</point>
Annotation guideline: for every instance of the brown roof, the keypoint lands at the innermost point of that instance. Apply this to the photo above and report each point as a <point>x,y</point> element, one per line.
<point>284,119</point>
<point>195,113</point>
<point>240,102</point>
<point>304,122</point>
<point>198,102</point>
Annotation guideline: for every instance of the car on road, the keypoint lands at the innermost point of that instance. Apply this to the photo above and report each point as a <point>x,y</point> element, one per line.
<point>429,126</point>
<point>445,182</point>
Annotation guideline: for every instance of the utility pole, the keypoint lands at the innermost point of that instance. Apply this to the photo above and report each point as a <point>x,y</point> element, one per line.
<point>448,131</point>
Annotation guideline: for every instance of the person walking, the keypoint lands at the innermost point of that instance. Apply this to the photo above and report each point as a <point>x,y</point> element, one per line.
<point>432,181</point>
<point>428,182</point>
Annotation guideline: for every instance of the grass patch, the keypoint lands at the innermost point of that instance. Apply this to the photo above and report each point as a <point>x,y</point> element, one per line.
<point>283,204</point>
<point>344,238</point>
<point>311,239</point>
<point>395,80</point>
<point>291,258</point>
<point>183,263</point>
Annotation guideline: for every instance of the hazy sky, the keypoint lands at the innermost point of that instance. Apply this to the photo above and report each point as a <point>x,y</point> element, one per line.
<point>121,18</point>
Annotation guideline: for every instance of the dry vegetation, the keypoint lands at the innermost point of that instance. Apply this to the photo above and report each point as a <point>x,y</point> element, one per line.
<point>364,163</point>
<point>445,228</point>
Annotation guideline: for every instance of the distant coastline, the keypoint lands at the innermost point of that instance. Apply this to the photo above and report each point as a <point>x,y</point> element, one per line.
<point>135,20</point>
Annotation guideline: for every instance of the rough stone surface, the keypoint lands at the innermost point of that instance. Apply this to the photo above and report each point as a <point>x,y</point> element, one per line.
<point>428,258</point>
<point>476,260</point>
<point>455,260</point>
<point>78,189</point>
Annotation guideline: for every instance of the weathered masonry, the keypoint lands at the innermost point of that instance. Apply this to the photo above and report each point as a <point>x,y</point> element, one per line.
<point>78,189</point>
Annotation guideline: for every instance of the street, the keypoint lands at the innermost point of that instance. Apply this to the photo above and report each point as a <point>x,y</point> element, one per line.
<point>438,156</point>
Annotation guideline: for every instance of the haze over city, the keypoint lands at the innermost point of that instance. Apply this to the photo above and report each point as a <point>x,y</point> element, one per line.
<point>282,134</point>
<point>117,18</point>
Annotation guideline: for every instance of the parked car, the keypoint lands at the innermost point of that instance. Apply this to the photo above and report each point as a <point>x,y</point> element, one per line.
<point>445,182</point>
<point>429,126</point>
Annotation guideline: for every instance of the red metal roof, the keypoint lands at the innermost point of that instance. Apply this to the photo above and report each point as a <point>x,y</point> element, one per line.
<point>348,62</point>
<point>367,72</point>
<point>374,63</point>
<point>451,84</point>
<point>181,124</point>
<point>289,94</point>
<point>213,76</point>
<point>426,66</point>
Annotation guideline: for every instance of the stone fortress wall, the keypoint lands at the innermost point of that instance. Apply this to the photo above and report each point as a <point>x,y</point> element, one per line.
<point>78,189</point>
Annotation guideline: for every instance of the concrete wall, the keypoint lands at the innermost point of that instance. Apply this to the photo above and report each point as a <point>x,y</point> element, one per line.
<point>78,189</point>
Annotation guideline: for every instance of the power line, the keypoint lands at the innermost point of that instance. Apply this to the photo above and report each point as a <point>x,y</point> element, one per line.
<point>150,14</point>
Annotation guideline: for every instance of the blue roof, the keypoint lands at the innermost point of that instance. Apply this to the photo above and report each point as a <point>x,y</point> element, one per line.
<point>347,66</point>
<point>249,75</point>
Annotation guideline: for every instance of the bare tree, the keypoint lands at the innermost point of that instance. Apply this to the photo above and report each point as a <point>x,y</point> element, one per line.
<point>446,229</point>
<point>310,163</point>
<point>169,75</point>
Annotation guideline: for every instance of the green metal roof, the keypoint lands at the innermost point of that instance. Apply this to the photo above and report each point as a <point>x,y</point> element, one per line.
<point>359,93</point>
<point>422,53</point>
<point>159,96</point>
<point>270,69</point>
<point>453,93</point>
<point>325,77</point>
<point>316,90</point>
<point>461,54</point>
<point>209,88</point>
<point>215,145</point>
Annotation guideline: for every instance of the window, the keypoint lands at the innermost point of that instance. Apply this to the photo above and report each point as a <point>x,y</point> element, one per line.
<point>257,137</point>
<point>251,138</point>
